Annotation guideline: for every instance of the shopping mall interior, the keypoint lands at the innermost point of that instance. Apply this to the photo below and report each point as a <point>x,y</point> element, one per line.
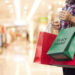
<point>21,21</point>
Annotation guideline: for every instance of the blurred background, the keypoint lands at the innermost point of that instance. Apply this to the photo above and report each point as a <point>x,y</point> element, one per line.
<point>20,24</point>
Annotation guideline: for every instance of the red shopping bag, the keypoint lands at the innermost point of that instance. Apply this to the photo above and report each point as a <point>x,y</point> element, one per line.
<point>44,43</point>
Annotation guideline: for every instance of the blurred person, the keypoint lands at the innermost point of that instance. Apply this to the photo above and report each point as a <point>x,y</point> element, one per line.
<point>67,19</point>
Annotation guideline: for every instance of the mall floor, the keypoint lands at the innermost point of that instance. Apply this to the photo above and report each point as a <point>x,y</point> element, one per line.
<point>17,59</point>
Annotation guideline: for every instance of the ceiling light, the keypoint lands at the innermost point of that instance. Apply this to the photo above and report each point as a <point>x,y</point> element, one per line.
<point>6,1</point>
<point>17,9</point>
<point>25,7</point>
<point>49,7</point>
<point>34,8</point>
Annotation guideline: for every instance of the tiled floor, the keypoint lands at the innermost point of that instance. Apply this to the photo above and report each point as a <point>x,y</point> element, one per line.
<point>18,60</point>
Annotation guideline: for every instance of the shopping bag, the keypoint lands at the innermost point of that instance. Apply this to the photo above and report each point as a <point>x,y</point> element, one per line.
<point>63,46</point>
<point>44,43</point>
<point>68,64</point>
<point>42,57</point>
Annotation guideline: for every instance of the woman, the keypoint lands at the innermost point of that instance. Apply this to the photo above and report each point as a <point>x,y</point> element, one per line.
<point>67,19</point>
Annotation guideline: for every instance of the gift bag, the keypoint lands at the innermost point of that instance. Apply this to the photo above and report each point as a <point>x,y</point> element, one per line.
<point>63,46</point>
<point>41,53</point>
<point>44,43</point>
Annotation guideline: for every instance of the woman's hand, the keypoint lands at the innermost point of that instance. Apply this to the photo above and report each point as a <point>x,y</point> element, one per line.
<point>65,16</point>
<point>56,24</point>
